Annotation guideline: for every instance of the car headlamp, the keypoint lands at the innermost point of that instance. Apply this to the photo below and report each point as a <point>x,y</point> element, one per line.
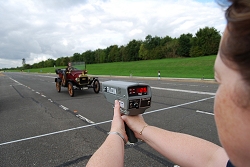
<point>77,79</point>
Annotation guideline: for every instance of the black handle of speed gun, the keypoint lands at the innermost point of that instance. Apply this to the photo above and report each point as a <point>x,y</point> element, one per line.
<point>130,134</point>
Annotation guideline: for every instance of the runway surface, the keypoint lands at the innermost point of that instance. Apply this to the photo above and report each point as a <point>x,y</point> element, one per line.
<point>41,127</point>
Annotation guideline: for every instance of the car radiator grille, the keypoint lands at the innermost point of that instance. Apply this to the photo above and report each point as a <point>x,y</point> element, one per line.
<point>83,80</point>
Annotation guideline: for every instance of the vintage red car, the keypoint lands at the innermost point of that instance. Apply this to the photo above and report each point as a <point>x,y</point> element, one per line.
<point>75,77</point>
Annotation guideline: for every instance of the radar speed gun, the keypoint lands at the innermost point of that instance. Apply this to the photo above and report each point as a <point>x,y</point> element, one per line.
<point>134,99</point>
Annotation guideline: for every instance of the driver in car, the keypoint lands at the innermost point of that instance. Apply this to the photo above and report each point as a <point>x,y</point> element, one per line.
<point>69,67</point>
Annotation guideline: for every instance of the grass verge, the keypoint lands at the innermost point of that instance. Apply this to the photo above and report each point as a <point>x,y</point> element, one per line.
<point>198,67</point>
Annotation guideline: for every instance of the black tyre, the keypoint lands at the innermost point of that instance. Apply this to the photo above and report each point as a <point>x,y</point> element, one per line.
<point>58,86</point>
<point>96,86</point>
<point>71,89</point>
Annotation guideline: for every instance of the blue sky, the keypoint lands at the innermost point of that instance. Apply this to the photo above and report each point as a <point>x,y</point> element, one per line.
<point>37,30</point>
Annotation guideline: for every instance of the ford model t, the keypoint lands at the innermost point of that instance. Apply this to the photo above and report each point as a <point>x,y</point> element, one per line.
<point>75,77</point>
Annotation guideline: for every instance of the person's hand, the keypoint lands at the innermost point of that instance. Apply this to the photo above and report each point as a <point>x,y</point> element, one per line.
<point>117,122</point>
<point>135,123</point>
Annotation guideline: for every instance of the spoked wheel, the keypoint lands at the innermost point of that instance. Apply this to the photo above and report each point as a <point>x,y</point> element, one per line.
<point>96,86</point>
<point>64,80</point>
<point>71,89</point>
<point>58,86</point>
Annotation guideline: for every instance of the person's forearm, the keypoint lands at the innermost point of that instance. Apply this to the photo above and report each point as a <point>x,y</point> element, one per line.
<point>111,153</point>
<point>183,149</point>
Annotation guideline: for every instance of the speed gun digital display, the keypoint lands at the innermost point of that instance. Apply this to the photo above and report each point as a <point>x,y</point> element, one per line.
<point>134,98</point>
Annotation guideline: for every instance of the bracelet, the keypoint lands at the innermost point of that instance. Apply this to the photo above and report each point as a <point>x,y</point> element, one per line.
<point>117,133</point>
<point>143,129</point>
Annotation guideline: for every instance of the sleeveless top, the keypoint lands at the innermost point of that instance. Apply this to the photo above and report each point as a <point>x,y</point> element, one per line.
<point>229,164</point>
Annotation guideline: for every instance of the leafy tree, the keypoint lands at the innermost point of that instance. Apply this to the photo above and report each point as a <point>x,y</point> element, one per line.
<point>64,61</point>
<point>158,52</point>
<point>184,45</point>
<point>152,42</point>
<point>58,61</point>
<point>166,46</point>
<point>41,64</point>
<point>49,63</point>
<point>76,57</point>
<point>100,56</point>
<point>143,53</point>
<point>122,52</point>
<point>132,51</point>
<point>171,48</point>
<point>114,54</point>
<point>88,57</point>
<point>196,51</point>
<point>206,42</point>
<point>27,66</point>
<point>35,65</point>
<point>165,40</point>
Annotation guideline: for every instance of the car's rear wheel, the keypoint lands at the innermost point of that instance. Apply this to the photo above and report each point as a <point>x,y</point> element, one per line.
<point>96,86</point>
<point>58,86</point>
<point>70,89</point>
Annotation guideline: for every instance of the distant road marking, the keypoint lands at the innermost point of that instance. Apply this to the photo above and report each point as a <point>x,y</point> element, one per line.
<point>203,112</point>
<point>94,124</point>
<point>50,100</point>
<point>63,107</point>
<point>186,91</point>
<point>15,81</point>
<point>84,118</point>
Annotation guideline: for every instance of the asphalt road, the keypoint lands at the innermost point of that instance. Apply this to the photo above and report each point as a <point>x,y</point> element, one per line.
<point>41,127</point>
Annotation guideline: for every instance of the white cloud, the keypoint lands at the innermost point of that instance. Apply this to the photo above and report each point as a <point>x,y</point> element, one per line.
<point>37,30</point>
<point>34,58</point>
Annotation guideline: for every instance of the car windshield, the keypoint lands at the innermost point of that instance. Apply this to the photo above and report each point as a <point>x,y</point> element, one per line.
<point>78,65</point>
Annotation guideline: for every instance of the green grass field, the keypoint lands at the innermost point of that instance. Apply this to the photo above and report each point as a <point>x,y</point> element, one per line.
<point>198,67</point>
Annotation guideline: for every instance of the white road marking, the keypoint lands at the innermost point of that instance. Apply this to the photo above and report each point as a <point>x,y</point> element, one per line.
<point>179,105</point>
<point>50,100</point>
<point>186,91</point>
<point>84,118</point>
<point>94,124</point>
<point>53,133</point>
<point>63,107</point>
<point>203,112</point>
<point>16,81</point>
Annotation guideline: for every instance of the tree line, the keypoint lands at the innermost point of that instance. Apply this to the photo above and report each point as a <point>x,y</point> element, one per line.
<point>205,42</point>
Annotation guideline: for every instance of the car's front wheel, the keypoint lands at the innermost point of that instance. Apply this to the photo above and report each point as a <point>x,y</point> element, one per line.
<point>71,89</point>
<point>96,86</point>
<point>58,86</point>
